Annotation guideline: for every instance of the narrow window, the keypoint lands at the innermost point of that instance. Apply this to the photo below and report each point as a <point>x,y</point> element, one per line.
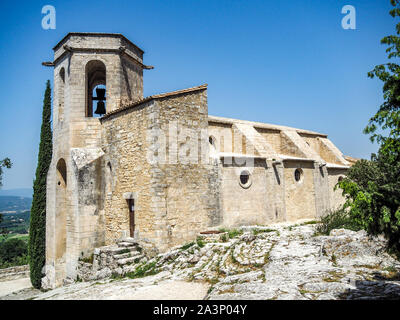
<point>131,206</point>
<point>61,94</point>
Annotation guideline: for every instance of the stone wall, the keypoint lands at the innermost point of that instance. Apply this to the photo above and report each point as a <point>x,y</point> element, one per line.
<point>335,196</point>
<point>128,170</point>
<point>172,185</point>
<point>299,196</point>
<point>261,201</point>
<point>13,273</point>
<point>182,199</point>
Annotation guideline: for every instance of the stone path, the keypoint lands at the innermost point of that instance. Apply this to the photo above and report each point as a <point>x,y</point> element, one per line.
<point>276,262</point>
<point>148,288</point>
<point>8,287</point>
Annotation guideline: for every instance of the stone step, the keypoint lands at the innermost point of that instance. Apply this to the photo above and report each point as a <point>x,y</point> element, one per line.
<point>132,253</point>
<point>129,260</point>
<point>126,244</point>
<point>122,256</point>
<point>128,239</point>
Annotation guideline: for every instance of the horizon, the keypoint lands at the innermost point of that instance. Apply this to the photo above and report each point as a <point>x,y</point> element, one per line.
<point>285,64</point>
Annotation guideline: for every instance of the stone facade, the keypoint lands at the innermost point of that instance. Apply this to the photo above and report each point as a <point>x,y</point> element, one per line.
<point>160,169</point>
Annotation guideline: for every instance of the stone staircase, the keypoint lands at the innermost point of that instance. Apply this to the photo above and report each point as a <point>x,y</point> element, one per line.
<point>119,258</point>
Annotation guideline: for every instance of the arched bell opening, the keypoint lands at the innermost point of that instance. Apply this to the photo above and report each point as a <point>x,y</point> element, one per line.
<point>95,89</point>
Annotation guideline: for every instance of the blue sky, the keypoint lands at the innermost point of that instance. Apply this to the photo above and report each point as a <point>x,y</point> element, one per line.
<point>281,62</point>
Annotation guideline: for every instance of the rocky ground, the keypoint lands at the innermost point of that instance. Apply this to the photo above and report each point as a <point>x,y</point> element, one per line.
<point>278,262</point>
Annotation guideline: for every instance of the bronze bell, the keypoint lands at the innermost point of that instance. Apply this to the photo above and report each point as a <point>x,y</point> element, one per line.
<point>101,96</point>
<point>101,108</point>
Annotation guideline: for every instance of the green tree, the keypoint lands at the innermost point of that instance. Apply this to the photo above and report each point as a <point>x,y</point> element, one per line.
<point>373,187</point>
<point>12,249</point>
<point>37,230</point>
<point>5,163</point>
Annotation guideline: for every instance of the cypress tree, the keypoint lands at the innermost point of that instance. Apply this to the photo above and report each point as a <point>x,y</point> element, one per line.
<point>37,230</point>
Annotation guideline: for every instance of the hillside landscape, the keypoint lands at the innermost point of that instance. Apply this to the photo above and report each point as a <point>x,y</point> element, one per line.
<point>15,211</point>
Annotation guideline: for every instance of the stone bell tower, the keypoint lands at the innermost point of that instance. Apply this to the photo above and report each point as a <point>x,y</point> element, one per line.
<point>75,204</point>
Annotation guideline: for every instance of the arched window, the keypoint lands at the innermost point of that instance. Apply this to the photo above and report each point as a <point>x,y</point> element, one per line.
<point>61,211</point>
<point>61,94</point>
<point>95,88</point>
<point>61,173</point>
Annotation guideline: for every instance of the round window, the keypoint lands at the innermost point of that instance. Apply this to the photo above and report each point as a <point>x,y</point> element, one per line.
<point>298,175</point>
<point>244,179</point>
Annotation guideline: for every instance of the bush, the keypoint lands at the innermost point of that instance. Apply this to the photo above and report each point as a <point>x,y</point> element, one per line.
<point>232,233</point>
<point>200,242</point>
<point>372,189</point>
<point>336,220</point>
<point>13,252</point>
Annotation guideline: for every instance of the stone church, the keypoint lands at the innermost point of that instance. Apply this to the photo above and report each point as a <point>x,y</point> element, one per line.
<point>159,167</point>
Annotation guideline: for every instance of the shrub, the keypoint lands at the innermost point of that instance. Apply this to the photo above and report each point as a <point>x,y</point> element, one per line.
<point>200,242</point>
<point>143,271</point>
<point>372,190</point>
<point>232,233</point>
<point>187,246</point>
<point>13,252</point>
<point>336,220</point>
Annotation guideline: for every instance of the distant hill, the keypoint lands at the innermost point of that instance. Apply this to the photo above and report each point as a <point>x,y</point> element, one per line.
<point>12,203</point>
<point>22,192</point>
<point>15,213</point>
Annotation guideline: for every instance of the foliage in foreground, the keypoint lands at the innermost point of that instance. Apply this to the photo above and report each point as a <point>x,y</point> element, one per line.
<point>37,230</point>
<point>336,219</point>
<point>5,163</point>
<point>13,252</point>
<point>372,190</point>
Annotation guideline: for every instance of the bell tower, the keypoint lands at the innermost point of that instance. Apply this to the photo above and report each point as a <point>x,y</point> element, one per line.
<point>94,73</point>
